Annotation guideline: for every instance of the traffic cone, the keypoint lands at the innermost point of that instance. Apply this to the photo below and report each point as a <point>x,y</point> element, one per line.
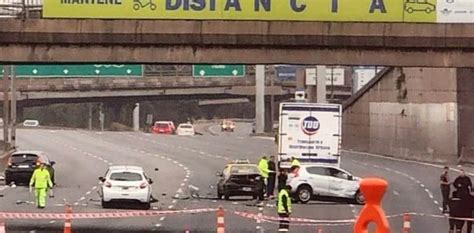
<point>220,220</point>
<point>406,223</point>
<point>2,226</point>
<point>67,221</point>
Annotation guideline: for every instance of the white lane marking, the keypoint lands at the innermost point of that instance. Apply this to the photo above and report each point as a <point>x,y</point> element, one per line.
<point>52,221</point>
<point>82,199</point>
<point>162,218</point>
<point>396,193</point>
<point>422,185</point>
<point>88,192</point>
<point>182,184</point>
<point>440,209</point>
<point>76,203</point>
<point>185,180</point>
<point>174,201</point>
<point>158,225</point>
<point>436,203</point>
<point>94,188</point>
<point>106,161</point>
<point>170,207</point>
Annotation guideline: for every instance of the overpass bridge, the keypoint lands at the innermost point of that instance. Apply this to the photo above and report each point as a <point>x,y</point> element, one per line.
<point>249,42</point>
<point>157,83</point>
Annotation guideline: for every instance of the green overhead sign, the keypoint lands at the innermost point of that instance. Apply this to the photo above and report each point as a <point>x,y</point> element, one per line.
<point>218,70</point>
<point>77,71</point>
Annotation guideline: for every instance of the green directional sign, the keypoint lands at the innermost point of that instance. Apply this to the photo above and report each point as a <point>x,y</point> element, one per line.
<point>78,71</point>
<point>218,70</point>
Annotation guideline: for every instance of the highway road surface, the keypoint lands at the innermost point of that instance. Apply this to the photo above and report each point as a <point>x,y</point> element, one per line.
<point>83,156</point>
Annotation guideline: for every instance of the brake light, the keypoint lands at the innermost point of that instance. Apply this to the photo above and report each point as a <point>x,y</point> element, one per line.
<point>108,184</point>
<point>144,185</point>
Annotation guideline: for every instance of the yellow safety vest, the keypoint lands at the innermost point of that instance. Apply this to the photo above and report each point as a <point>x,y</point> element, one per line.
<point>263,167</point>
<point>41,178</point>
<point>295,162</point>
<point>281,194</point>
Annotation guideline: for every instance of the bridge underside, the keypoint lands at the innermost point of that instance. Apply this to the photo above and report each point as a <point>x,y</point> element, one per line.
<point>37,98</point>
<point>250,42</point>
<point>230,55</point>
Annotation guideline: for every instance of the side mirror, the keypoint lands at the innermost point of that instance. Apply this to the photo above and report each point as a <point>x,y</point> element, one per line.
<point>219,174</point>
<point>350,177</point>
<point>150,181</point>
<point>52,163</point>
<point>101,179</point>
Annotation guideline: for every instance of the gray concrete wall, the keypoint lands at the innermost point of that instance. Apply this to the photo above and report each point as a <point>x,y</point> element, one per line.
<point>409,113</point>
<point>466,114</point>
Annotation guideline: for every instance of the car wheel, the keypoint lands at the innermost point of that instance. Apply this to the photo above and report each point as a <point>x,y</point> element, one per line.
<point>8,180</point>
<point>359,198</point>
<point>146,206</point>
<point>304,194</point>
<point>227,196</point>
<point>410,10</point>
<point>428,10</point>
<point>105,204</point>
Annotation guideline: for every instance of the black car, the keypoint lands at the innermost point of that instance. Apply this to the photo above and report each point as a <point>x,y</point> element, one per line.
<point>240,179</point>
<point>22,164</point>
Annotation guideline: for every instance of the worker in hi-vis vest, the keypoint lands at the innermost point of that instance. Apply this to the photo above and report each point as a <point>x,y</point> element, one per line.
<point>284,208</point>
<point>41,180</point>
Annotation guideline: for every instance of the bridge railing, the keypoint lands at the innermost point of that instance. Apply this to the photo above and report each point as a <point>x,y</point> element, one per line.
<point>20,8</point>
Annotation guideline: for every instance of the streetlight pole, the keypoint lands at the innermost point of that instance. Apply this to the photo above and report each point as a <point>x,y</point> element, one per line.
<point>13,110</point>
<point>6,105</point>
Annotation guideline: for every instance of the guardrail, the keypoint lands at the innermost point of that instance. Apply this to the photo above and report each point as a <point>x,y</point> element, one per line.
<point>20,8</point>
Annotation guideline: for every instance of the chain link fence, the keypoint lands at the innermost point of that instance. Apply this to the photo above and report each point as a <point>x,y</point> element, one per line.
<point>20,8</point>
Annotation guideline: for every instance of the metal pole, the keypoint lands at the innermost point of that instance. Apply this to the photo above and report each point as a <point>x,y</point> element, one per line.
<point>90,117</point>
<point>272,98</point>
<point>136,117</point>
<point>321,84</point>
<point>13,106</point>
<point>101,116</point>
<point>260,99</point>
<point>332,83</point>
<point>6,106</point>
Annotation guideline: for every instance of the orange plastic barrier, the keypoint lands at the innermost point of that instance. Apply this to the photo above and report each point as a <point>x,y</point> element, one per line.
<point>373,190</point>
<point>220,220</point>
<point>406,223</point>
<point>67,221</point>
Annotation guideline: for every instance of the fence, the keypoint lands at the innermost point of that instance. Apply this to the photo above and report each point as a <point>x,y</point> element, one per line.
<point>20,8</point>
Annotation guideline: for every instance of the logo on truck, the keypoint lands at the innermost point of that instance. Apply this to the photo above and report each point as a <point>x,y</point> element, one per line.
<point>310,125</point>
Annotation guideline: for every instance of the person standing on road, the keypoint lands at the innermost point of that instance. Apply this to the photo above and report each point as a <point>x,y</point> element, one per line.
<point>263,168</point>
<point>471,204</point>
<point>295,162</point>
<point>445,188</point>
<point>271,177</point>
<point>282,179</point>
<point>284,208</point>
<point>41,180</point>
<point>463,184</point>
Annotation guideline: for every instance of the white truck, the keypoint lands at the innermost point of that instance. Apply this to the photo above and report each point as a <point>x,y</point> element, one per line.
<point>310,132</point>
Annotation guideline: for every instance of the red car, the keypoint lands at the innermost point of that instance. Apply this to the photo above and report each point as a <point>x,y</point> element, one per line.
<point>163,127</point>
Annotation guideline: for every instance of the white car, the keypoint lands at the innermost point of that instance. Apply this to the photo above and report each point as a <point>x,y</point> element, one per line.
<point>126,183</point>
<point>185,130</point>
<point>325,181</point>
<point>31,123</point>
